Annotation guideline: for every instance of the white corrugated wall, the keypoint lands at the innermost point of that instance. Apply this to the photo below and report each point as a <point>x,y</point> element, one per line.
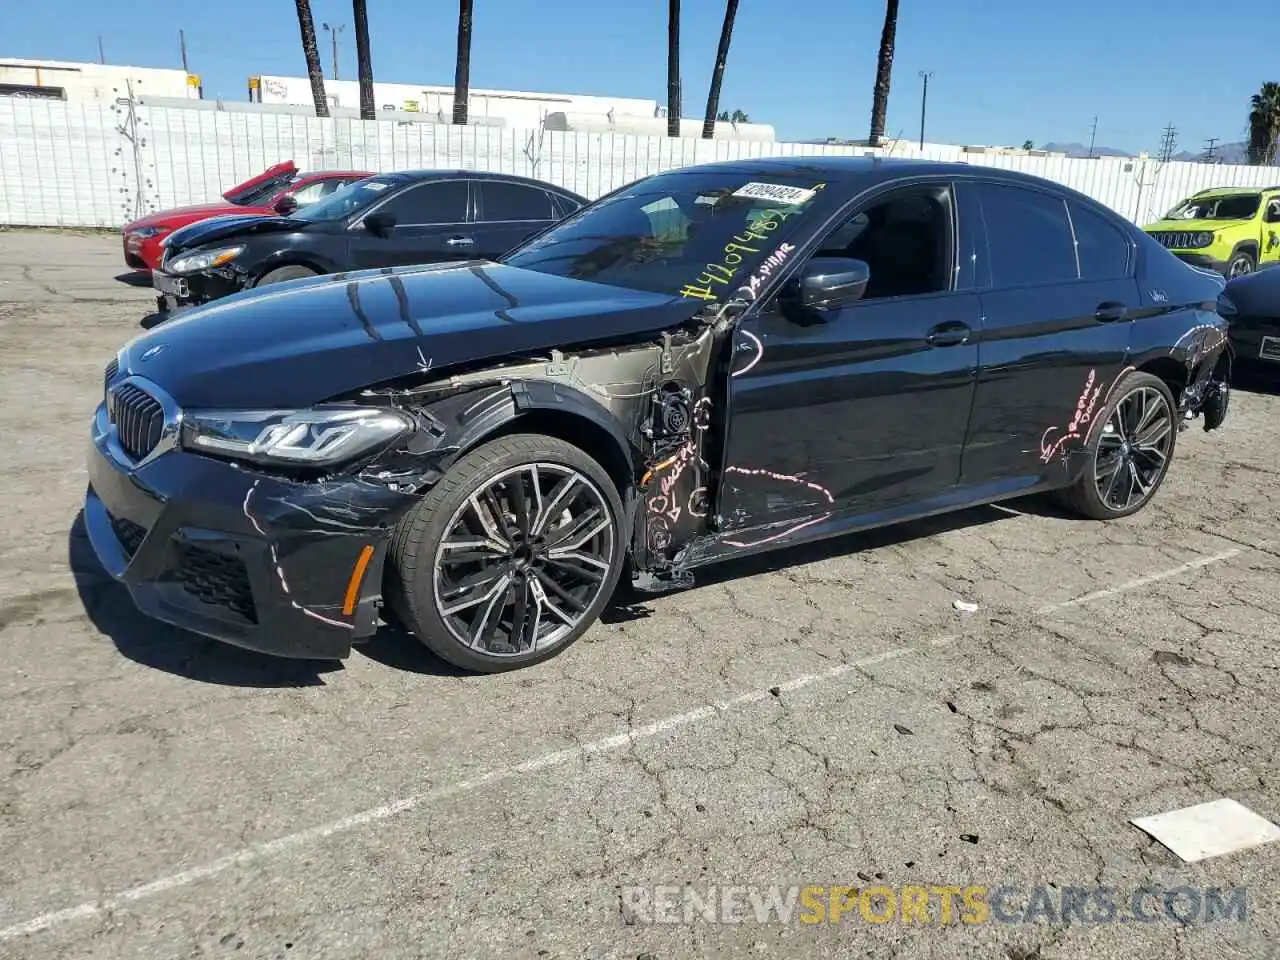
<point>80,165</point>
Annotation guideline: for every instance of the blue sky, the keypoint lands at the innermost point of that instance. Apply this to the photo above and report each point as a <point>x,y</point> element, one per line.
<point>1004,70</point>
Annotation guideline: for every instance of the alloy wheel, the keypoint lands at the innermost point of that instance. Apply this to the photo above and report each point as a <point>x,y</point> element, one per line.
<point>1133,449</point>
<point>1239,267</point>
<point>524,559</point>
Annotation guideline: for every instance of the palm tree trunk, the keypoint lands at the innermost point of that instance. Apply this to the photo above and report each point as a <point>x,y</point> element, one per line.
<point>364,63</point>
<point>673,68</point>
<point>884,71</point>
<point>722,55</point>
<point>309,50</point>
<point>462,73</point>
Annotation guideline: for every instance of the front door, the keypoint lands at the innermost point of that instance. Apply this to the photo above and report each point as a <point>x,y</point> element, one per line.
<point>863,407</point>
<point>1059,291</point>
<point>432,223</point>
<point>1269,250</point>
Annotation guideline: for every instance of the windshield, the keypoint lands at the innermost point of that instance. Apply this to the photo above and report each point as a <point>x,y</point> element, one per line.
<point>345,200</point>
<point>1235,206</point>
<point>702,236</point>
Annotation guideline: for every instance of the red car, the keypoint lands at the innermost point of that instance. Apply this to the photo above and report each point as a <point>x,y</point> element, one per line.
<point>280,189</point>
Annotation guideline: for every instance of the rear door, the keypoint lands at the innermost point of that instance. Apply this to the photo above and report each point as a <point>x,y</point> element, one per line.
<point>1058,288</point>
<point>432,223</point>
<point>507,213</point>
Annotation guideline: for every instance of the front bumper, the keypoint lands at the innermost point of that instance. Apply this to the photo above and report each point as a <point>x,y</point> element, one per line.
<point>175,294</point>
<point>142,253</point>
<point>1256,341</point>
<point>1203,261</point>
<point>257,561</point>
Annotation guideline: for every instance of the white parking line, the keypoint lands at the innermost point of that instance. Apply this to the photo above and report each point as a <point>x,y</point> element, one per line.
<point>558,758</point>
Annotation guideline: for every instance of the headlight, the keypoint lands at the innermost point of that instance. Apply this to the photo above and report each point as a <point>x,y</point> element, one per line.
<point>195,262</point>
<point>306,438</point>
<point>1202,240</point>
<point>146,232</point>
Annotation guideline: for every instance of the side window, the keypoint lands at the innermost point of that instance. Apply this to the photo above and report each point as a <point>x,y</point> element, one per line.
<point>1103,248</point>
<point>442,201</point>
<point>1273,211</point>
<point>514,201</point>
<point>905,239</point>
<point>564,206</point>
<point>310,193</point>
<point>1028,236</point>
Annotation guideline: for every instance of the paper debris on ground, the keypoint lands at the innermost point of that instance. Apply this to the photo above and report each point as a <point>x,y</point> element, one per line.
<point>1209,829</point>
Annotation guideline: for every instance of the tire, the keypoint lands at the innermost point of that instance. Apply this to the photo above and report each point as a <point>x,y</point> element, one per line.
<point>291,272</point>
<point>423,574</point>
<point>1241,262</point>
<point>1086,495</point>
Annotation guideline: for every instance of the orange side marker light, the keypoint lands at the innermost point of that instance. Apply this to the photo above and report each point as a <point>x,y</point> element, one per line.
<point>357,577</point>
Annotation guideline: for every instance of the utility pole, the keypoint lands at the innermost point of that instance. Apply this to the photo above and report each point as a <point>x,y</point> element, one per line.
<point>1093,136</point>
<point>1210,146</point>
<point>1168,144</point>
<point>102,57</point>
<point>924,102</point>
<point>182,45</point>
<point>333,33</point>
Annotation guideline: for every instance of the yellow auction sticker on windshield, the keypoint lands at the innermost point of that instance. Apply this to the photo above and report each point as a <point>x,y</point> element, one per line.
<point>776,192</point>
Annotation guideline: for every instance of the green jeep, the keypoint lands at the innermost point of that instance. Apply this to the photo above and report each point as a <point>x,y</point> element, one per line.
<point>1232,230</point>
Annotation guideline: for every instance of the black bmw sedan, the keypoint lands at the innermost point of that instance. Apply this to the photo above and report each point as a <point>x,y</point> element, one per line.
<point>711,362</point>
<point>387,220</point>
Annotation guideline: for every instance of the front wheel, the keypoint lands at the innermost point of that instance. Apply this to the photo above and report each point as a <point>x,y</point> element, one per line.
<point>511,557</point>
<point>290,272</point>
<point>1129,451</point>
<point>1241,262</point>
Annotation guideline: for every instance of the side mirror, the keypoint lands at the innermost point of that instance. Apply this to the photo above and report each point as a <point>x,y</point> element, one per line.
<point>828,283</point>
<point>379,224</point>
<point>285,206</point>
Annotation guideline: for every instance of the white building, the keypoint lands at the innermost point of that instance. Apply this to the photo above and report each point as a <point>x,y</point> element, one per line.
<point>508,108</point>
<point>91,82</point>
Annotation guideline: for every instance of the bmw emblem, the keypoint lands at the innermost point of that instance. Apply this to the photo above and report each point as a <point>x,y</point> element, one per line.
<point>151,352</point>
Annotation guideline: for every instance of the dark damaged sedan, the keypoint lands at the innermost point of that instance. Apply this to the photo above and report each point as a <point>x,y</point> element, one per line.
<point>711,362</point>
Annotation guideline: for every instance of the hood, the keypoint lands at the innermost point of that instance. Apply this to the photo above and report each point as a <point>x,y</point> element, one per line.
<point>209,230</point>
<point>310,340</point>
<point>1257,294</point>
<point>179,216</point>
<point>1190,226</point>
<point>282,172</point>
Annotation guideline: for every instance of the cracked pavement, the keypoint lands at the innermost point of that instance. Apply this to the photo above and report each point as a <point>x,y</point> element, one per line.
<point>835,721</point>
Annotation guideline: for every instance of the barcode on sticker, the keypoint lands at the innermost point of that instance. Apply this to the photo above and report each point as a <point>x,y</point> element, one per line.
<point>777,192</point>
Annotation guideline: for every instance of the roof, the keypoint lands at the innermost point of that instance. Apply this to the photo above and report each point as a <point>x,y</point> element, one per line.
<point>1233,191</point>
<point>474,175</point>
<point>870,170</point>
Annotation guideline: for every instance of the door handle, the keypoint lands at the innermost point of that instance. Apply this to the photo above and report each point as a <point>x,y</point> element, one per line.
<point>460,241</point>
<point>948,335</point>
<point>1109,311</point>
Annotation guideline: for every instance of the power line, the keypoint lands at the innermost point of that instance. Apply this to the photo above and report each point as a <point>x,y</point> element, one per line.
<point>1169,143</point>
<point>1093,135</point>
<point>1210,147</point>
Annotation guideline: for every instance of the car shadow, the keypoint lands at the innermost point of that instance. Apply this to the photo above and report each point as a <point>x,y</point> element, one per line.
<point>135,278</point>
<point>1255,381</point>
<point>629,604</point>
<point>160,646</point>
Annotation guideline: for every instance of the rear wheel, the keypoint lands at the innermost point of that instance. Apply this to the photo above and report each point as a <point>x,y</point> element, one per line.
<point>280,274</point>
<point>1130,451</point>
<point>1241,262</point>
<point>511,557</point>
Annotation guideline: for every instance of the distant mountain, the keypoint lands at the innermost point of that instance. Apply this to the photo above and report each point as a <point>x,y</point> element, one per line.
<point>1223,152</point>
<point>1082,150</point>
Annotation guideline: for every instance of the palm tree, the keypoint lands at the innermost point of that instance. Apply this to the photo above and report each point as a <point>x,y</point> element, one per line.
<point>673,68</point>
<point>462,72</point>
<point>722,55</point>
<point>309,50</point>
<point>1264,125</point>
<point>364,64</point>
<point>884,71</point>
